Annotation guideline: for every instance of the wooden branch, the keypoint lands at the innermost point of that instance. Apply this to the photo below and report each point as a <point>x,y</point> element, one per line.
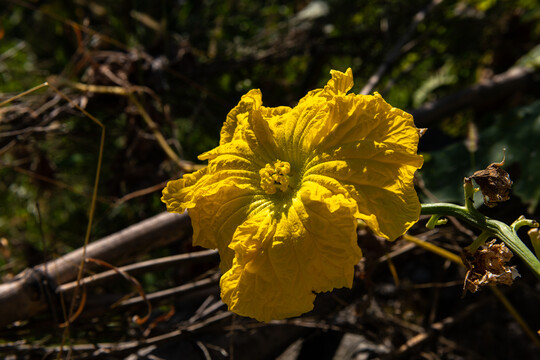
<point>434,330</point>
<point>175,291</point>
<point>139,267</point>
<point>397,49</point>
<point>118,348</point>
<point>501,86</point>
<point>33,290</point>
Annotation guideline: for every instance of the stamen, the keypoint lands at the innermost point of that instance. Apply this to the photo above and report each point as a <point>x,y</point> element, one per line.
<point>275,177</point>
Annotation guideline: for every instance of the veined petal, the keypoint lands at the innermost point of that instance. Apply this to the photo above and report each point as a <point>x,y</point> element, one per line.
<point>248,123</point>
<point>218,198</point>
<point>252,287</point>
<point>177,195</point>
<point>237,119</point>
<point>280,260</point>
<point>329,249</point>
<point>219,211</point>
<point>339,84</point>
<point>379,177</point>
<point>386,214</point>
<point>370,147</point>
<point>295,130</point>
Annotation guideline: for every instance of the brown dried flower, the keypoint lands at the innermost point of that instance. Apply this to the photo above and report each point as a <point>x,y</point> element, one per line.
<point>494,183</point>
<point>488,267</point>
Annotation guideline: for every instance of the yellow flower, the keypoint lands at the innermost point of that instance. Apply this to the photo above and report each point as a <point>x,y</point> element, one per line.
<point>282,193</point>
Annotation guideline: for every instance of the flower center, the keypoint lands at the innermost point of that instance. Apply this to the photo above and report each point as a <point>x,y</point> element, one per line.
<point>275,176</point>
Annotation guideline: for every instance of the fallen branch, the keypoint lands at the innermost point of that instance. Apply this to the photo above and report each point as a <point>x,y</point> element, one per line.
<point>176,291</point>
<point>33,290</point>
<point>140,267</point>
<point>117,348</point>
<point>515,80</point>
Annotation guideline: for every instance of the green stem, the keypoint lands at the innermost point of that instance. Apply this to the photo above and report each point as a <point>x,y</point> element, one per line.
<point>534,235</point>
<point>435,221</point>
<point>480,240</point>
<point>488,225</point>
<point>523,222</point>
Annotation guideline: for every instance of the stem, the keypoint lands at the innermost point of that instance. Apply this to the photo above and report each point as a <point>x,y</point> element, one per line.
<point>434,221</point>
<point>489,226</point>
<point>523,222</point>
<point>434,249</point>
<point>445,209</point>
<point>515,314</point>
<point>480,240</point>
<point>534,235</point>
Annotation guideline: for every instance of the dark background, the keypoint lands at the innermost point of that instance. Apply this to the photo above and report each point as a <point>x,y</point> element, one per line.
<point>192,61</point>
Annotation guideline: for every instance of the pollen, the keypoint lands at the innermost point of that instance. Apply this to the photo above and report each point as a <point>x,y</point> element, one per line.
<point>274,177</point>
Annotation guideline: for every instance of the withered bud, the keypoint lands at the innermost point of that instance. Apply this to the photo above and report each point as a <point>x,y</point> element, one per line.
<point>494,183</point>
<point>488,267</point>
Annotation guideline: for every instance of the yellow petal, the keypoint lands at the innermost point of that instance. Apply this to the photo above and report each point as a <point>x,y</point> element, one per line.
<point>251,287</point>
<point>237,119</point>
<point>370,148</point>
<point>248,123</point>
<point>282,258</point>
<point>219,211</point>
<point>339,84</point>
<point>291,127</point>
<point>218,198</point>
<point>329,250</point>
<point>177,194</point>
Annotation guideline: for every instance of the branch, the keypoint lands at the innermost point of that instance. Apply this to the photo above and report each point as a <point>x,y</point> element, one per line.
<point>140,267</point>
<point>117,348</point>
<point>501,86</point>
<point>398,48</point>
<point>33,290</point>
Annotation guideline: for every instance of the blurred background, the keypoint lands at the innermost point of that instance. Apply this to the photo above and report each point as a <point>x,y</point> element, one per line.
<point>468,70</point>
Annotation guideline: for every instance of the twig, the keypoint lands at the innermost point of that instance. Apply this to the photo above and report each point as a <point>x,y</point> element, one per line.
<point>23,297</point>
<point>24,93</point>
<point>132,280</point>
<point>110,349</point>
<point>397,49</point>
<point>435,328</point>
<point>175,291</point>
<point>142,267</point>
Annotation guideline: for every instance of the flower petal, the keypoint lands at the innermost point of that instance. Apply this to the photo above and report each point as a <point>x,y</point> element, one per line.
<point>237,119</point>
<point>280,260</point>
<point>339,84</point>
<point>177,194</point>
<point>248,123</point>
<point>252,287</point>
<point>329,249</point>
<point>370,148</point>
<point>218,198</point>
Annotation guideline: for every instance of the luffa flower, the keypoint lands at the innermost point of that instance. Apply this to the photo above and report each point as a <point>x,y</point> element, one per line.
<point>282,193</point>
